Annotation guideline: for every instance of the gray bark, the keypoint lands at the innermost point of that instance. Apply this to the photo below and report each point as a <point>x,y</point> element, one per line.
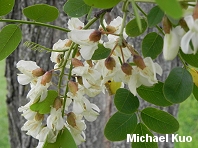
<point>16,96</point>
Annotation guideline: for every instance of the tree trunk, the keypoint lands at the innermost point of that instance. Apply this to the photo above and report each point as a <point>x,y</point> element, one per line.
<point>16,96</point>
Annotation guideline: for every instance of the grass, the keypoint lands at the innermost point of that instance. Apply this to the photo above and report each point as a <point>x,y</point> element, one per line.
<point>4,143</point>
<point>187,117</point>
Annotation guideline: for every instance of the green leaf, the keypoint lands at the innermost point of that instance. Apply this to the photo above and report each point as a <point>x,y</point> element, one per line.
<point>6,6</point>
<point>170,7</point>
<point>101,52</point>
<point>41,13</point>
<point>102,3</point>
<point>195,92</point>
<point>154,94</point>
<point>142,130</point>
<point>119,125</point>
<point>159,121</point>
<point>64,140</point>
<point>178,86</point>
<point>44,107</point>
<point>190,58</point>
<point>10,37</point>
<point>125,101</point>
<point>152,45</point>
<point>76,8</point>
<point>132,28</point>
<point>137,16</point>
<point>155,16</point>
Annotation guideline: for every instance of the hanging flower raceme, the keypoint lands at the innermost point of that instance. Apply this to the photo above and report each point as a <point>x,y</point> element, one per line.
<point>189,44</point>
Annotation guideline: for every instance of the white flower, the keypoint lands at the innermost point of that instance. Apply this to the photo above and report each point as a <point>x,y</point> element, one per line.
<point>90,76</point>
<point>60,45</point>
<point>43,134</point>
<point>27,112</point>
<point>172,43</point>
<point>26,67</point>
<point>32,127</point>
<point>91,114</point>
<point>82,37</point>
<point>79,102</point>
<point>38,91</point>
<point>77,127</point>
<point>190,36</point>
<point>146,77</point>
<point>55,120</point>
<point>75,23</point>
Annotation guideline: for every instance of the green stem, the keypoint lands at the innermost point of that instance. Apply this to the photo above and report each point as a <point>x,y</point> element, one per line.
<point>69,76</point>
<point>124,9</point>
<point>35,23</point>
<point>158,28</point>
<point>63,68</point>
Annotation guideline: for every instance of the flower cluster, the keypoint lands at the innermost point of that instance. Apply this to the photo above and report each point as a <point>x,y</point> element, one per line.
<point>91,78</point>
<point>184,36</point>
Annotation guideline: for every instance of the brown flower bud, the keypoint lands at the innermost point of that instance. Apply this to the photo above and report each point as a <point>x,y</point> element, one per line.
<point>76,62</point>
<point>110,29</point>
<point>126,68</point>
<point>139,61</point>
<point>195,12</point>
<point>110,63</point>
<point>71,119</point>
<point>166,25</point>
<point>46,78</point>
<point>73,87</point>
<point>57,103</point>
<point>38,72</point>
<point>38,117</point>
<point>95,36</point>
<point>183,24</point>
<point>80,81</point>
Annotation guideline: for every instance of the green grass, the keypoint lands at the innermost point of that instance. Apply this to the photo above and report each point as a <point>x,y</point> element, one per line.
<point>188,119</point>
<point>4,143</point>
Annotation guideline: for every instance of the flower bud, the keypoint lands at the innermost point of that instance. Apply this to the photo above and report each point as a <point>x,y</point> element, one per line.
<point>38,117</point>
<point>110,63</point>
<point>38,72</point>
<point>139,61</point>
<point>76,62</point>
<point>80,81</point>
<point>126,68</point>
<point>110,29</point>
<point>183,24</point>
<point>57,103</point>
<point>195,12</point>
<point>46,78</point>
<point>73,87</point>
<point>166,25</point>
<point>71,119</point>
<point>95,36</point>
